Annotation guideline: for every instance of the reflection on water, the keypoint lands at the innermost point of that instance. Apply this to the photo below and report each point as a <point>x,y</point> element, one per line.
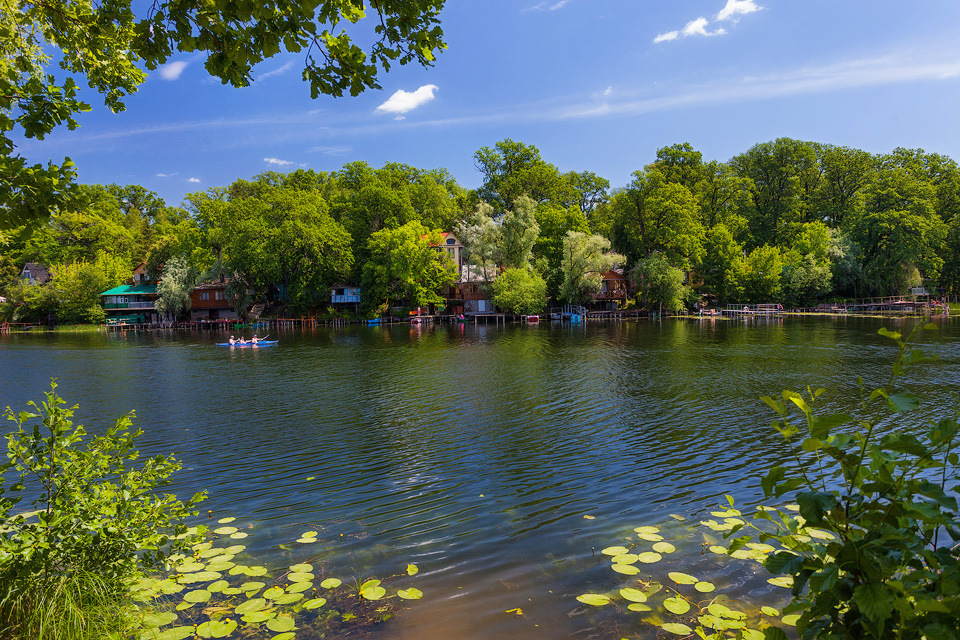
<point>474,452</point>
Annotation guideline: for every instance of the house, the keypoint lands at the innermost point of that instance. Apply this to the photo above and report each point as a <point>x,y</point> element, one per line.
<point>344,294</point>
<point>140,274</point>
<point>614,290</point>
<point>131,304</point>
<point>469,294</point>
<point>209,302</point>
<point>35,273</point>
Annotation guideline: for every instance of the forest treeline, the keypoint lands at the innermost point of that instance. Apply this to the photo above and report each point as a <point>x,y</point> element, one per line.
<point>785,221</point>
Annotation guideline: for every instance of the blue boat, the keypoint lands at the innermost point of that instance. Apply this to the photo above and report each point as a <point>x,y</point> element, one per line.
<point>259,343</point>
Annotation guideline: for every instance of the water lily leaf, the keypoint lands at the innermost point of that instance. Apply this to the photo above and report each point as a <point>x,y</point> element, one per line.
<point>614,551</point>
<point>300,576</point>
<point>718,549</point>
<point>625,569</point>
<point>410,594</point>
<point>759,546</point>
<point>373,593</point>
<point>791,620</point>
<point>200,595</point>
<point>722,611</point>
<point>638,606</point>
<point>595,599</point>
<point>252,586</point>
<point>649,557</point>
<point>237,569</point>
<point>307,540</point>
<point>235,549</point>
<point>280,624</point>
<point>299,587</point>
<point>200,546</point>
<point>301,568</point>
<point>646,529</point>
<point>676,605</point>
<point>309,534</point>
<point>682,578</point>
<point>273,593</point>
<point>625,558</point>
<point>412,569</point>
<point>207,576</point>
<point>189,567</point>
<point>288,598</point>
<point>664,547</point>
<point>256,617</point>
<point>373,582</point>
<point>633,595</point>
<point>331,583</point>
<point>290,635</point>
<point>316,603</point>
<point>819,534</point>
<point>220,566</point>
<point>752,634</point>
<point>704,587</point>
<point>253,572</point>
<point>209,553</point>
<point>156,620</point>
<point>231,591</point>
<point>225,531</point>
<point>676,517</point>
<point>176,633</point>
<point>216,628</point>
<point>217,586</point>
<point>226,520</point>
<point>183,606</point>
<point>676,628</point>
<point>770,611</point>
<point>781,581</point>
<point>650,537</point>
<point>239,535</point>
<point>250,606</point>
<point>589,517</point>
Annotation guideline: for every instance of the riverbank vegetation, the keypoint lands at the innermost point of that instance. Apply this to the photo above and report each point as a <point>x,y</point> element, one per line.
<point>787,221</point>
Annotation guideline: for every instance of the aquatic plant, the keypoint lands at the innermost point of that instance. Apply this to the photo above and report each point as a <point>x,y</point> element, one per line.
<point>216,591</point>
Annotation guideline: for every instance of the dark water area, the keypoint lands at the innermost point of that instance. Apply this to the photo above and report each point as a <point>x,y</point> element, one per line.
<point>474,452</point>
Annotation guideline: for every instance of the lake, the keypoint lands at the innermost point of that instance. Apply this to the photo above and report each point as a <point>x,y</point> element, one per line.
<point>473,452</point>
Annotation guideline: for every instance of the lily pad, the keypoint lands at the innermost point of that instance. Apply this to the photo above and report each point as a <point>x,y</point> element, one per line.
<point>225,531</point>
<point>300,576</point>
<point>200,595</point>
<point>410,594</point>
<point>646,529</point>
<point>626,558</point>
<point>770,611</point>
<point>781,581</point>
<point>226,520</point>
<point>373,593</point>
<point>280,624</point>
<point>256,617</point>
<point>306,540</point>
<point>301,568</point>
<point>234,549</point>
<point>682,578</point>
<point>649,557</point>
<point>676,605</point>
<point>633,595</point>
<point>253,572</point>
<point>239,535</point>
<point>614,551</point>
<point>704,587</point>
<point>217,586</point>
<point>299,587</point>
<point>791,620</point>
<point>331,583</point>
<point>718,549</point>
<point>625,569</point>
<point>216,628</point>
<point>273,593</point>
<point>676,628</point>
<point>250,606</point>
<point>638,606</point>
<point>664,547</point>
<point>650,537</point>
<point>594,599</point>
<point>315,603</point>
<point>309,534</point>
<point>288,598</point>
<point>412,569</point>
<point>252,586</point>
<point>176,633</point>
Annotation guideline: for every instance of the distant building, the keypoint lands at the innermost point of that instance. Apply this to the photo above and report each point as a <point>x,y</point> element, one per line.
<point>35,273</point>
<point>209,302</point>
<point>344,294</point>
<point>614,290</point>
<point>131,304</point>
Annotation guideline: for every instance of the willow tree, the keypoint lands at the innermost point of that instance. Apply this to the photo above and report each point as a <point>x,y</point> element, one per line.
<point>585,258</point>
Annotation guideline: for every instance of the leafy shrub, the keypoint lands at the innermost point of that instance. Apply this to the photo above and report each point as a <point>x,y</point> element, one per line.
<point>890,564</point>
<point>96,514</point>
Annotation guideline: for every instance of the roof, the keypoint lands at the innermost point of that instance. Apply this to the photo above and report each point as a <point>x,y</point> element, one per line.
<point>39,272</point>
<point>211,286</point>
<point>443,239</point>
<point>132,290</point>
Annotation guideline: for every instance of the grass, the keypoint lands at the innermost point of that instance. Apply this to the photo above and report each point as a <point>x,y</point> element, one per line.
<point>77,606</point>
<point>77,328</point>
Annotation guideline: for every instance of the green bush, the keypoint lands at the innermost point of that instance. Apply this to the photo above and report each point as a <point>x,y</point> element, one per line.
<point>888,564</point>
<point>97,520</point>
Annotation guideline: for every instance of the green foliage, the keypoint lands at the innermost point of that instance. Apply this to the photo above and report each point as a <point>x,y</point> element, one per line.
<point>78,287</point>
<point>661,284</point>
<point>107,45</point>
<point>756,277</point>
<point>175,288</point>
<point>887,564</point>
<point>94,512</point>
<point>521,291</point>
<point>585,258</point>
<point>513,169</point>
<point>405,264</point>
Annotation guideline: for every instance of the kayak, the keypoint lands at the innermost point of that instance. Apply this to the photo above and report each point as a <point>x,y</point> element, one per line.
<point>260,343</point>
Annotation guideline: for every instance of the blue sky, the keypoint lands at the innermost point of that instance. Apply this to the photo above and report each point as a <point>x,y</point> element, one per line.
<point>596,85</point>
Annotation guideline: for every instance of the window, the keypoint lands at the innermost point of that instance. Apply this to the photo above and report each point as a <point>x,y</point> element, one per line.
<point>218,295</point>
<point>451,241</point>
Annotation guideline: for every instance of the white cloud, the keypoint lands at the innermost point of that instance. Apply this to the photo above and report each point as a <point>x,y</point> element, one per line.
<point>736,8</point>
<point>698,27</point>
<point>173,70</point>
<point>559,5</point>
<point>607,91</point>
<point>277,162</point>
<point>194,180</point>
<point>404,101</point>
<point>167,175</point>
<point>666,37</point>
<point>276,72</point>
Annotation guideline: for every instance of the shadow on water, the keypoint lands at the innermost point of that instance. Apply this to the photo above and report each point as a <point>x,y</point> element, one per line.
<point>474,452</point>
